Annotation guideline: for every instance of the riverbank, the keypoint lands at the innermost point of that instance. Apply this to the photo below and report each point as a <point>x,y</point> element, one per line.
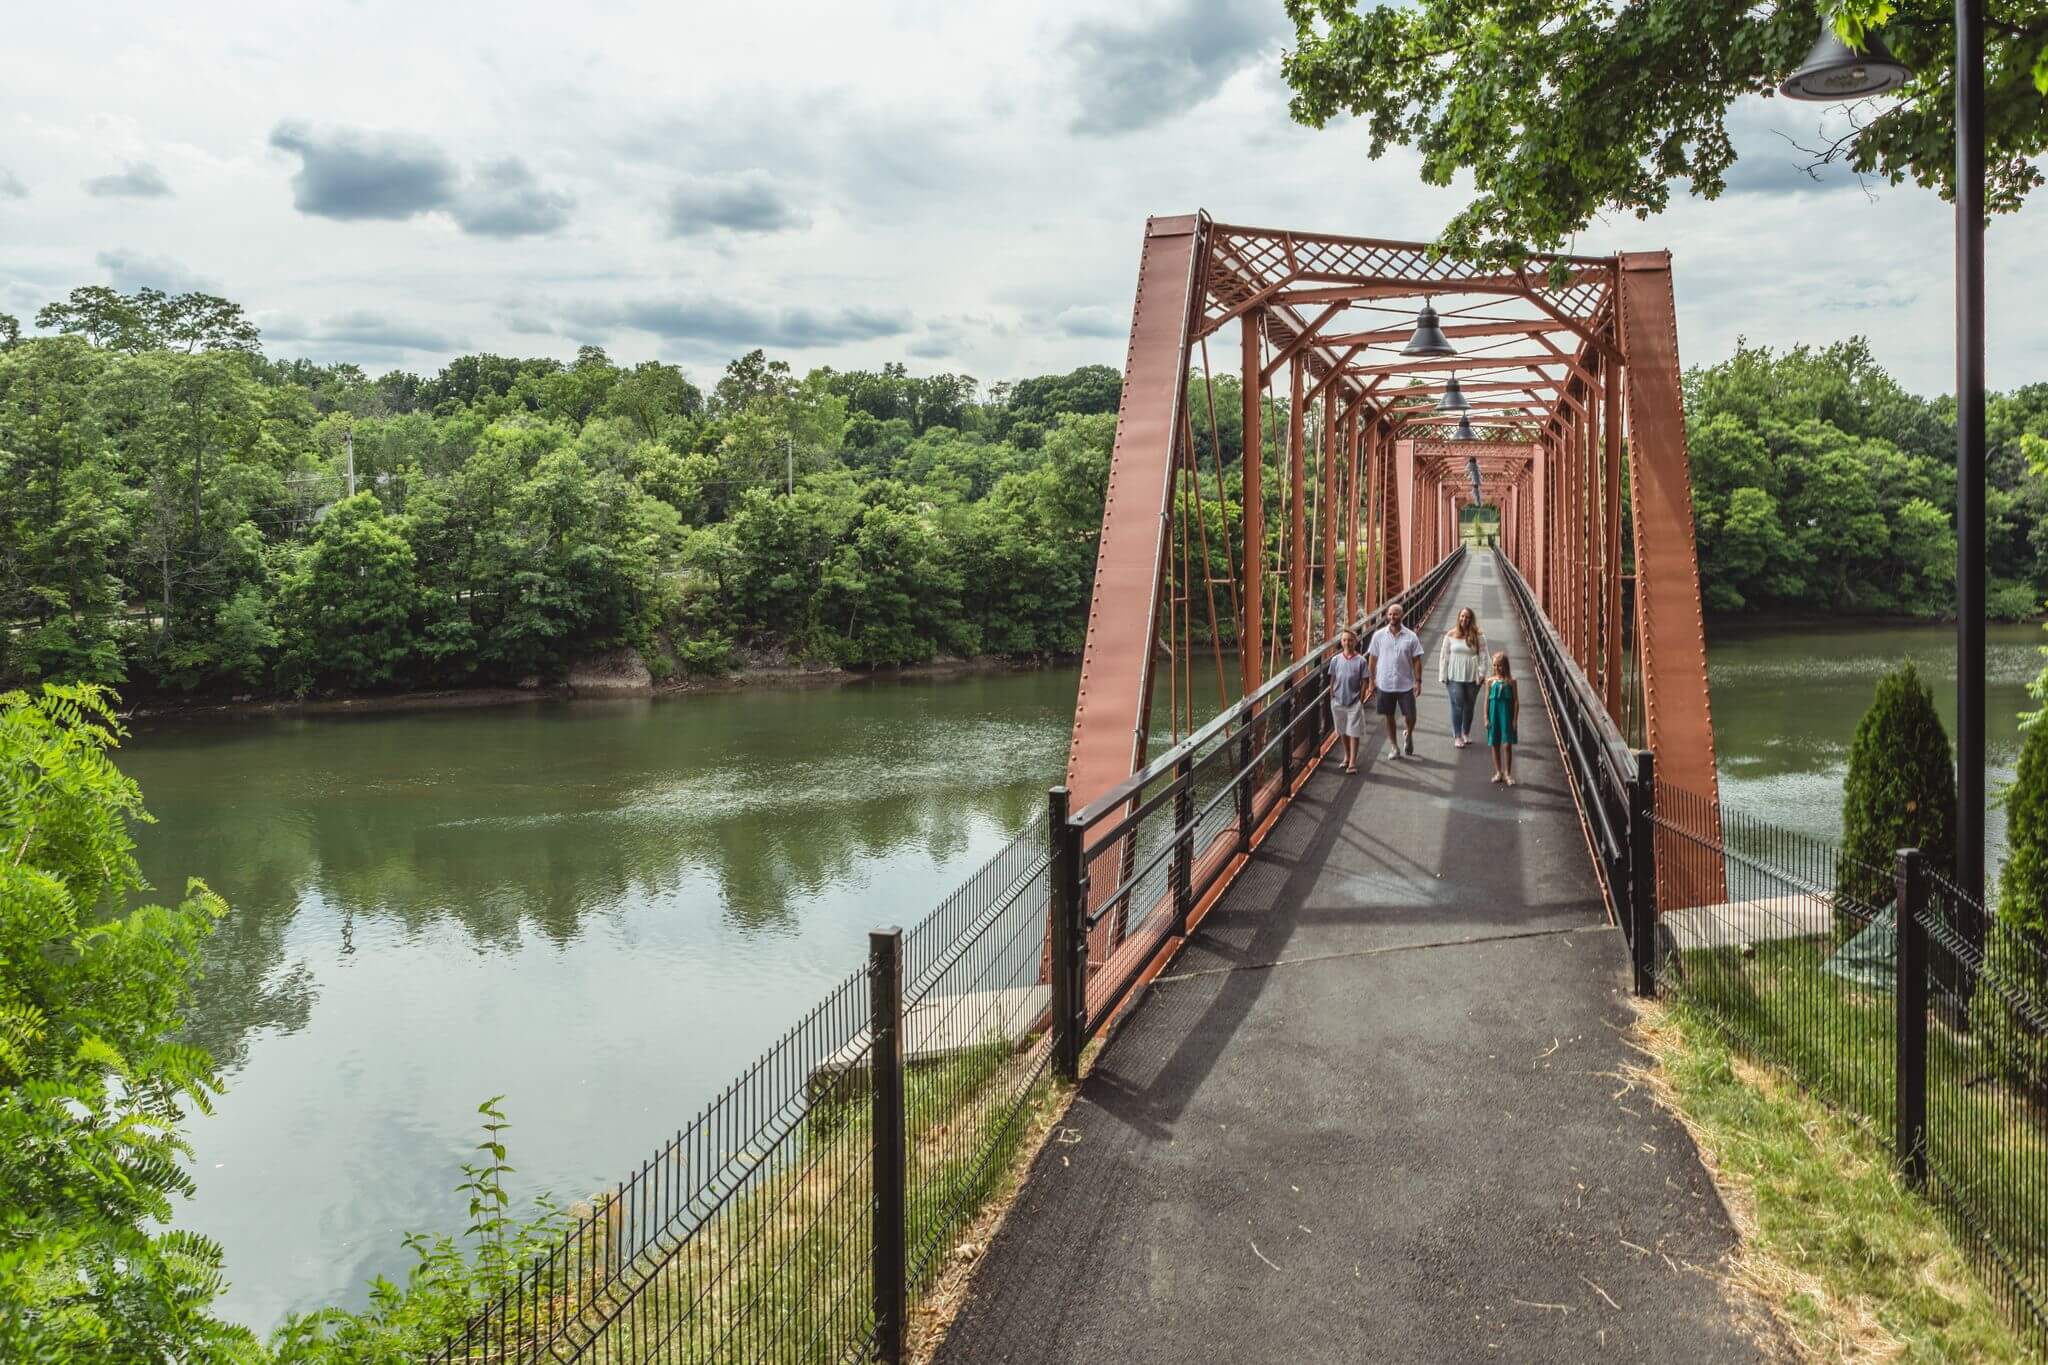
<point>746,678</point>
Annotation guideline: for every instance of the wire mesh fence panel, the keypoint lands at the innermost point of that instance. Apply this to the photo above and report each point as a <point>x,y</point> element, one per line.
<point>976,1057</point>
<point>744,1232</point>
<point>1987,1096</point>
<point>1801,966</point>
<point>1789,965</point>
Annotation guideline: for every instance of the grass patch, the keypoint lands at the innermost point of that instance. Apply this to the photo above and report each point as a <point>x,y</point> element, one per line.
<point>781,1272</point>
<point>1857,1267</point>
<point>1987,1145</point>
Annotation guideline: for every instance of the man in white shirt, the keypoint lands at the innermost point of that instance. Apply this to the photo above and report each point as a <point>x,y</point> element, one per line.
<point>1396,654</point>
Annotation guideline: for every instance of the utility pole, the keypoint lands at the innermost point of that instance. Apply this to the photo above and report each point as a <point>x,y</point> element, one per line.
<point>348,442</point>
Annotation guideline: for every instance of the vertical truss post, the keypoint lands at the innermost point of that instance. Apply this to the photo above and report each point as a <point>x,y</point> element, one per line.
<point>1252,631</point>
<point>1610,430</point>
<point>1404,570</point>
<point>1678,719</point>
<point>1327,510</point>
<point>1297,502</point>
<point>1351,493</point>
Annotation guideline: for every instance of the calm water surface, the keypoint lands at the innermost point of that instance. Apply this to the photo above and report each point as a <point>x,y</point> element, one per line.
<point>1786,704</point>
<point>599,910</point>
<point>603,910</point>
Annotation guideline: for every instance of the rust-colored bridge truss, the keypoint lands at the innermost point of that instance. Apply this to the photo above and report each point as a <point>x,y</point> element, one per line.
<point>1281,468</point>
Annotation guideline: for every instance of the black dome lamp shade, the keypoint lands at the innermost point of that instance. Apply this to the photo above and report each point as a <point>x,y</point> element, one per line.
<point>1834,71</point>
<point>1454,399</point>
<point>1429,338</point>
<point>1464,431</point>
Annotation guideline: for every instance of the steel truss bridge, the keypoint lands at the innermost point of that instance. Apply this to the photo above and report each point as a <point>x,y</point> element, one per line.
<point>1284,466</point>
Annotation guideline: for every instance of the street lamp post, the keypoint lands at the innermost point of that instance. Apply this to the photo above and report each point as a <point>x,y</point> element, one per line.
<point>1831,72</point>
<point>1970,448</point>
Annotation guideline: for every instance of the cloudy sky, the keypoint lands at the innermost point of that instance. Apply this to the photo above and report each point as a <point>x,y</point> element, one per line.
<point>961,185</point>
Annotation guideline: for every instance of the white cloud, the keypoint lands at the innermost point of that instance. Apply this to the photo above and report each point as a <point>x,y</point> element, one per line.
<point>963,185</point>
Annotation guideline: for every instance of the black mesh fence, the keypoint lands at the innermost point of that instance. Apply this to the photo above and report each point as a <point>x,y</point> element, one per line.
<point>1931,1024</point>
<point>750,1235</point>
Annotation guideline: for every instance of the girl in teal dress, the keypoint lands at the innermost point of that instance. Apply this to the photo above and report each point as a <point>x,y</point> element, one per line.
<point>1503,710</point>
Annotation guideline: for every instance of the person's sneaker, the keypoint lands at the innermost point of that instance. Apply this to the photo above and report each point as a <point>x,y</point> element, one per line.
<point>1393,753</point>
<point>1411,742</point>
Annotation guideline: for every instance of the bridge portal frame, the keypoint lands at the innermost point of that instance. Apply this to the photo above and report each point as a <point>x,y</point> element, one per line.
<point>1577,404</point>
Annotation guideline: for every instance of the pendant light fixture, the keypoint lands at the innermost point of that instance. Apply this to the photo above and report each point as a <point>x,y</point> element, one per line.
<point>1833,71</point>
<point>1454,399</point>
<point>1429,338</point>
<point>1464,431</point>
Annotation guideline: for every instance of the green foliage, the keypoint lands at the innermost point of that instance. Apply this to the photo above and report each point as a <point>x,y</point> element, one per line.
<point>150,320</point>
<point>183,519</point>
<point>1563,113</point>
<point>2016,953</point>
<point>1900,790</point>
<point>450,1277</point>
<point>93,1085</point>
<point>1819,483</point>
<point>348,604</point>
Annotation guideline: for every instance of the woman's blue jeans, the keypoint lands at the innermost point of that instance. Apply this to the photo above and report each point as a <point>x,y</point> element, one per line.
<point>1464,696</point>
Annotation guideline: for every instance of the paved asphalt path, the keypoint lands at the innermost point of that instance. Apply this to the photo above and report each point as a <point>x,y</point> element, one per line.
<point>1372,1112</point>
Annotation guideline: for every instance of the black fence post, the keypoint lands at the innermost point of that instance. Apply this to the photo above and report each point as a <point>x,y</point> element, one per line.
<point>1642,874</point>
<point>1287,738</point>
<point>891,1266</point>
<point>1910,1067</point>
<point>1184,842</point>
<point>1069,937</point>
<point>1247,784</point>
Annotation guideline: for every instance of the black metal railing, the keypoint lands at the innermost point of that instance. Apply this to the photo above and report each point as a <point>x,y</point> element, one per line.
<point>1603,771</point>
<point>793,1218</point>
<point>1867,984</point>
<point>1900,1017</point>
<point>1128,869</point>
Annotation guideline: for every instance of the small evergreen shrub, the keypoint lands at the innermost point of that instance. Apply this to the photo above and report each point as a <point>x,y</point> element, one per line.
<point>2016,956</point>
<point>1900,792</point>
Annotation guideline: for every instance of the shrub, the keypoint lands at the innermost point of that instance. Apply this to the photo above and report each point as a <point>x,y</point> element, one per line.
<point>93,1085</point>
<point>2016,955</point>
<point>1900,791</point>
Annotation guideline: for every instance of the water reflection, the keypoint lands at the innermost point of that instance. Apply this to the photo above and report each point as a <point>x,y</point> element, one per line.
<point>1787,702</point>
<point>597,909</point>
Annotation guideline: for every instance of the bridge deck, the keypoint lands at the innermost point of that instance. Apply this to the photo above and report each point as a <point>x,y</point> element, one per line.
<point>1372,1112</point>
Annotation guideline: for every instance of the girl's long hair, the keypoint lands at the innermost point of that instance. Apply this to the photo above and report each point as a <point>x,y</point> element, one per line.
<point>1459,630</point>
<point>1501,668</point>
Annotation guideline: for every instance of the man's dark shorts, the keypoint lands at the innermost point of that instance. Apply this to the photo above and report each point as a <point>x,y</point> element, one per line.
<point>1390,702</point>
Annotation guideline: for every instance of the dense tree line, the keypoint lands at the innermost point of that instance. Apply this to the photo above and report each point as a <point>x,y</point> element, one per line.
<point>1820,484</point>
<point>177,513</point>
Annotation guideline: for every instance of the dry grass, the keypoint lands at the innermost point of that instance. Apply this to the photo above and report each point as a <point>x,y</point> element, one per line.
<point>1855,1266</point>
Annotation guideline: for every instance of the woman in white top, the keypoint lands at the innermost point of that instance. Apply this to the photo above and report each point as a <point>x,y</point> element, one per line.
<point>1460,665</point>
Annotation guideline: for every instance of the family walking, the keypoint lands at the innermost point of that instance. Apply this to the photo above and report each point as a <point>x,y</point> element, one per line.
<point>1393,658</point>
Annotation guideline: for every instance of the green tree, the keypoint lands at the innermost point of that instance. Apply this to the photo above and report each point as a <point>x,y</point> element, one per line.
<point>1562,112</point>
<point>1900,790</point>
<point>63,517</point>
<point>93,1086</point>
<point>348,604</point>
<point>2016,952</point>
<point>151,320</point>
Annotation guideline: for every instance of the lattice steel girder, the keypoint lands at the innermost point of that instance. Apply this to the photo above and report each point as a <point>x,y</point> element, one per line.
<point>1671,638</point>
<point>1376,446</point>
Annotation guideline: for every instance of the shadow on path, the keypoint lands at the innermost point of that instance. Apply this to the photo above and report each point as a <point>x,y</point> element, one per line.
<point>1372,1112</point>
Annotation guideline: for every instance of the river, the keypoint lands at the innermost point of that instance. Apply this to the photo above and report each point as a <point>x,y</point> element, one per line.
<point>601,911</point>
